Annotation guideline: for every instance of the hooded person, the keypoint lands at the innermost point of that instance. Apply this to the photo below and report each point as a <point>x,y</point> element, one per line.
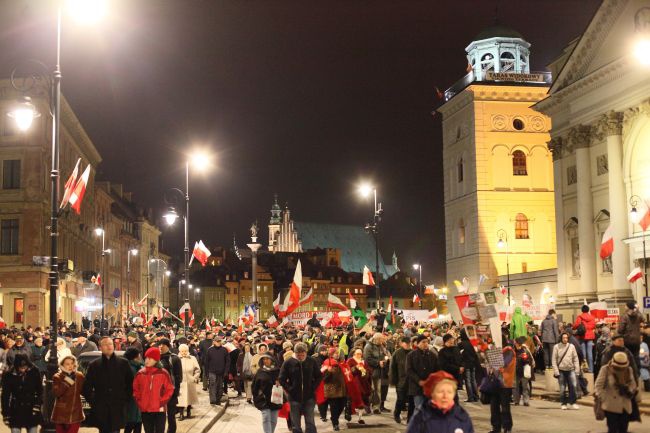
<point>22,394</point>
<point>630,328</point>
<point>335,387</point>
<point>439,413</point>
<point>519,324</point>
<point>152,391</point>
<point>262,387</point>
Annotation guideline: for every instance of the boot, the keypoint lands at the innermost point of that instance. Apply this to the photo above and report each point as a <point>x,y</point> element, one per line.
<point>181,415</point>
<point>189,411</point>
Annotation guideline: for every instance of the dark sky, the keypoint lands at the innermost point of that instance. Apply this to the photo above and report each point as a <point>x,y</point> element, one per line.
<point>300,98</point>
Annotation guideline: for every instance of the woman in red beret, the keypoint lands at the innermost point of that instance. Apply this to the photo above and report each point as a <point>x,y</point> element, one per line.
<point>440,414</point>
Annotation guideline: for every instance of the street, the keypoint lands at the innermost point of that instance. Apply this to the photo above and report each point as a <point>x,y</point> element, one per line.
<point>540,416</point>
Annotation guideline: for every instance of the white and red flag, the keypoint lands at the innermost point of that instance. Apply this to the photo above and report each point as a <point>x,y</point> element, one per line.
<point>643,212</point>
<point>70,184</point>
<point>143,301</point>
<point>132,309</point>
<point>635,274</point>
<point>97,279</point>
<point>308,297</point>
<point>433,314</point>
<point>353,302</point>
<point>336,303</point>
<point>201,252</point>
<point>416,299</point>
<point>186,310</point>
<point>272,322</point>
<point>294,290</point>
<point>276,305</point>
<point>368,279</point>
<point>607,244</point>
<point>77,194</point>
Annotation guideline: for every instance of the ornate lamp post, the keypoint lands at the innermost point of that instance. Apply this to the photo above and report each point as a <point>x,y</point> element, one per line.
<point>373,227</point>
<point>254,246</point>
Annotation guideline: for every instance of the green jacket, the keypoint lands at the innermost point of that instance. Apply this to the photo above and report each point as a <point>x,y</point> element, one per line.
<point>518,324</point>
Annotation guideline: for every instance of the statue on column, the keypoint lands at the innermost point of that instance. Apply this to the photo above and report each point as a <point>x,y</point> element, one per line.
<point>254,231</point>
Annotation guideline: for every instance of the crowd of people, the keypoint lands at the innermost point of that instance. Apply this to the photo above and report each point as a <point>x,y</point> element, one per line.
<point>139,377</point>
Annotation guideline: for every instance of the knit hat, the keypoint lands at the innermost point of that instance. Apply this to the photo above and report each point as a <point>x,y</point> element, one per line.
<point>287,345</point>
<point>434,379</point>
<point>132,334</point>
<point>131,353</point>
<point>153,353</point>
<point>619,360</point>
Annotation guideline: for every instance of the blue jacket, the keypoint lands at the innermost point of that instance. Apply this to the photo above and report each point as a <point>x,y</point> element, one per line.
<point>429,419</point>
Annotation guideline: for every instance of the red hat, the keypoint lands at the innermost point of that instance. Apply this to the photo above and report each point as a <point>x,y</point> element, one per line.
<point>153,353</point>
<point>434,379</point>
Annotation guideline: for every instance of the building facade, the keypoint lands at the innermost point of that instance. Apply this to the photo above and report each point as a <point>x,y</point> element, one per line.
<point>498,171</point>
<point>601,126</point>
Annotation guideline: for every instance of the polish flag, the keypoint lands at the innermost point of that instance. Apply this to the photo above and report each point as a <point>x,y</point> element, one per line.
<point>334,302</point>
<point>69,185</point>
<point>353,302</point>
<point>143,300</point>
<point>433,314</point>
<point>607,244</point>
<point>150,321</point>
<point>133,310</point>
<point>429,290</point>
<point>368,280</point>
<point>416,299</point>
<point>182,312</point>
<point>201,252</point>
<point>272,322</point>
<point>276,305</point>
<point>77,194</point>
<point>283,308</point>
<point>97,279</point>
<point>598,309</point>
<point>3,324</point>
<point>308,297</point>
<point>635,275</point>
<point>294,290</point>
<point>643,211</point>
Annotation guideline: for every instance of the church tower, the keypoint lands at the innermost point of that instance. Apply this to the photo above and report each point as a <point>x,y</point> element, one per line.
<point>274,224</point>
<point>498,171</point>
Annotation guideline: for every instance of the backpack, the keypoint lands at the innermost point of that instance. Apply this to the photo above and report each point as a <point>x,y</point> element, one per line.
<point>581,330</point>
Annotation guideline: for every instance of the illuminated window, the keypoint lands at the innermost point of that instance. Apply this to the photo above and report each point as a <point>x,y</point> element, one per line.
<point>521,226</point>
<point>461,232</point>
<point>19,310</point>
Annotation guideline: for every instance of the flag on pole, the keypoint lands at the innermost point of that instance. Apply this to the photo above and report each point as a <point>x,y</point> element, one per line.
<point>186,309</point>
<point>433,314</point>
<point>335,302</point>
<point>294,290</point>
<point>276,305</point>
<point>97,279</point>
<point>429,290</point>
<point>416,299</point>
<point>635,274</point>
<point>390,320</point>
<point>77,194</point>
<point>133,310</point>
<point>272,322</point>
<point>353,302</point>
<point>607,244</point>
<point>308,297</point>
<point>70,184</point>
<point>643,211</point>
<point>368,279</point>
<point>143,300</point>
<point>201,252</point>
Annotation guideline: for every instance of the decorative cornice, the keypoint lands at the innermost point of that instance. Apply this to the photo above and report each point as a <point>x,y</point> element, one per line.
<point>611,123</point>
<point>632,113</point>
<point>579,137</point>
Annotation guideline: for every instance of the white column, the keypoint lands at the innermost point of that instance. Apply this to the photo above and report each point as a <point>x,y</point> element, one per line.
<point>613,126</point>
<point>586,234</point>
<point>555,146</point>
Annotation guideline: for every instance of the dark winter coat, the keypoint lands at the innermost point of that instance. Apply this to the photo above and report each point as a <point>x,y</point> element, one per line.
<point>172,363</point>
<point>67,406</point>
<point>133,415</point>
<point>22,398</point>
<point>630,327</point>
<point>398,376</point>
<point>22,350</point>
<point>469,355</point>
<point>263,384</point>
<point>450,360</point>
<point>419,365</point>
<point>108,389</point>
<point>333,380</point>
<point>429,419</point>
<point>204,345</point>
<point>550,330</point>
<point>88,346</point>
<point>217,361</point>
<point>300,379</point>
<point>38,357</point>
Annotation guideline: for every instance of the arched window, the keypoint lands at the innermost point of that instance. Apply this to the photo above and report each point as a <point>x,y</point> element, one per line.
<point>507,61</point>
<point>460,170</point>
<point>461,231</point>
<point>519,163</point>
<point>521,226</point>
<point>487,62</point>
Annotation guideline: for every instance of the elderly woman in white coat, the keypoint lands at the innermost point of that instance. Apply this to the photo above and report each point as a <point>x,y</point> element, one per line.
<point>191,374</point>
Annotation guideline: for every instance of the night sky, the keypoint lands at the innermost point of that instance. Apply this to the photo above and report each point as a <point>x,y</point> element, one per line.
<point>300,98</point>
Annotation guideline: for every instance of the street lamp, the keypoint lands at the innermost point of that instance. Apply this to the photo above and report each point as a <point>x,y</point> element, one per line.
<point>418,267</point>
<point>200,161</point>
<point>365,190</point>
<point>132,252</point>
<point>501,243</point>
<point>635,217</point>
<point>99,231</point>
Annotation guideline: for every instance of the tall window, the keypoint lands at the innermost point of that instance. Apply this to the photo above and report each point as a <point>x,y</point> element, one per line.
<point>521,226</point>
<point>11,174</point>
<point>519,163</point>
<point>19,310</point>
<point>461,231</point>
<point>9,237</point>
<point>460,169</point>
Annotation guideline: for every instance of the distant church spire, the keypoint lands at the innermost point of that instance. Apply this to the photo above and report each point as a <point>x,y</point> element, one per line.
<point>395,266</point>
<point>276,212</point>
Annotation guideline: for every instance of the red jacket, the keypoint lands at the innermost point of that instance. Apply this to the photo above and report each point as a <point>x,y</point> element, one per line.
<point>152,389</point>
<point>590,325</point>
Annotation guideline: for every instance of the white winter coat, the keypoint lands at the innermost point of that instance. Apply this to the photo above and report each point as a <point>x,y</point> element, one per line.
<point>188,394</point>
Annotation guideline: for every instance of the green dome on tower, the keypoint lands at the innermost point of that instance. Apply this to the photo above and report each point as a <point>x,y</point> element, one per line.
<point>498,31</point>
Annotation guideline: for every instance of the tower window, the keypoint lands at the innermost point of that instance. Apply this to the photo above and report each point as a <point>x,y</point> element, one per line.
<point>487,62</point>
<point>460,170</point>
<point>461,231</point>
<point>519,163</point>
<point>507,61</point>
<point>518,124</point>
<point>521,226</point>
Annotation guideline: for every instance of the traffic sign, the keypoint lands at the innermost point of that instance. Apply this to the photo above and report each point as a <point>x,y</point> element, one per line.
<point>646,303</point>
<point>116,303</point>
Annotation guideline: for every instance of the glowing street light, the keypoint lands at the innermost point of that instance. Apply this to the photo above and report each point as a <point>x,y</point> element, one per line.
<point>24,113</point>
<point>642,51</point>
<point>171,216</point>
<point>365,190</point>
<point>200,160</point>
<point>87,11</point>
